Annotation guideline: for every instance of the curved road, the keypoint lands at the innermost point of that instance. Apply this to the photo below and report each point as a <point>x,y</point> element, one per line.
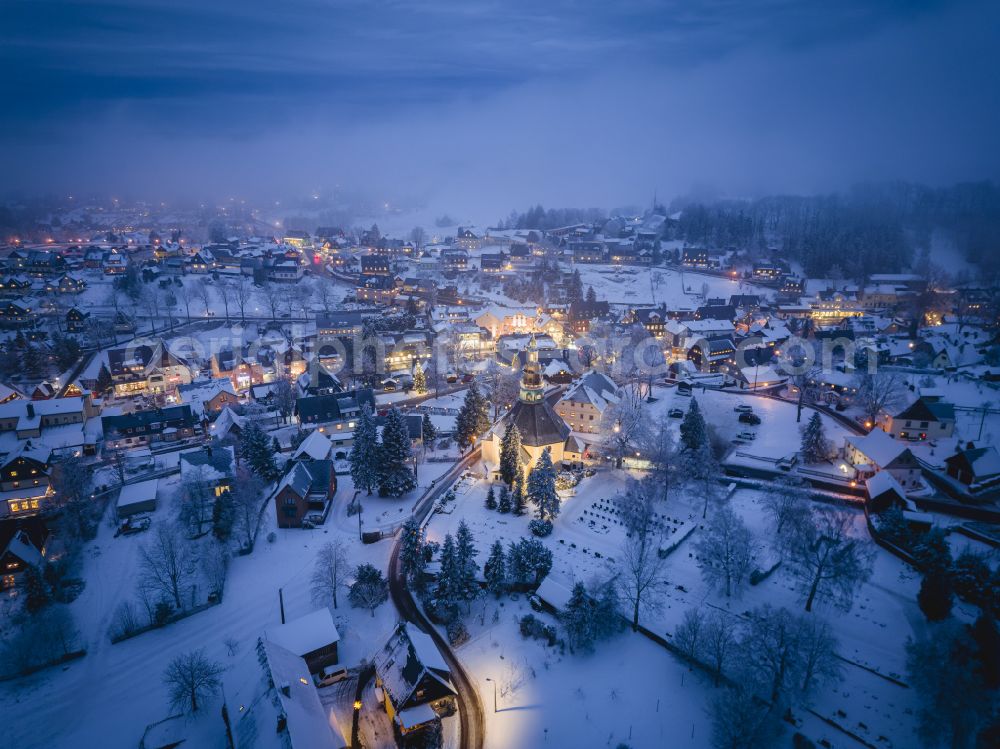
<point>470,707</point>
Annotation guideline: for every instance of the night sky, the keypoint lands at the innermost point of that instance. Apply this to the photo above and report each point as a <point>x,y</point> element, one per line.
<point>496,103</point>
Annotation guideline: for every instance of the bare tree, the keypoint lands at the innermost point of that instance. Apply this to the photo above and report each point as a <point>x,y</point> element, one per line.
<point>203,289</point>
<point>688,635</point>
<point>827,559</point>
<point>624,424</point>
<point>191,680</point>
<point>786,504</point>
<point>214,565</point>
<point>225,289</point>
<point>330,573</point>
<point>242,291</point>
<point>770,652</point>
<point>719,639</point>
<point>879,392</point>
<point>701,472</point>
<point>184,294</point>
<point>659,448</point>
<point>274,297</point>
<point>284,397</point>
<point>323,292</point>
<point>818,651</point>
<point>740,721</point>
<point>197,495</point>
<point>246,501</point>
<point>500,385</point>
<point>726,551</point>
<point>163,563</point>
<point>641,569</point>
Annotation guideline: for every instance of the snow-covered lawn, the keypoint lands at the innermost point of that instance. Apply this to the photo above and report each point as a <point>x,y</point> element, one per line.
<point>630,690</point>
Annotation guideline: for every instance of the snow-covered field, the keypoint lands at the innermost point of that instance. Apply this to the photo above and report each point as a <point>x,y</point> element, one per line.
<point>872,635</point>
<point>110,695</point>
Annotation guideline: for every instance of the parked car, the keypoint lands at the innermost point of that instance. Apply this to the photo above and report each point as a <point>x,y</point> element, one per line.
<point>330,675</point>
<point>675,413</point>
<point>684,388</point>
<point>133,525</point>
<point>746,436</point>
<point>535,602</point>
<point>748,417</point>
<point>744,408</point>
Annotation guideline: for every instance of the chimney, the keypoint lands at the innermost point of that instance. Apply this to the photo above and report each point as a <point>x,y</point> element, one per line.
<point>286,688</point>
<point>31,410</point>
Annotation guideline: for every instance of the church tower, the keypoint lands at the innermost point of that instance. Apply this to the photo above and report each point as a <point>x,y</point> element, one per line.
<point>532,385</point>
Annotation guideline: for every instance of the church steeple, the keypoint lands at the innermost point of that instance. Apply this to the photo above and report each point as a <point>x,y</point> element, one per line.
<point>532,386</point>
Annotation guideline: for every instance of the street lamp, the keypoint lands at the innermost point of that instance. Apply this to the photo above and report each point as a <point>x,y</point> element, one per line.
<point>494,693</point>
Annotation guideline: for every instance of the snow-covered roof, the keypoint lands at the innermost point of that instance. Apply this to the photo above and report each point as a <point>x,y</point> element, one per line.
<point>878,447</point>
<point>883,482</point>
<point>553,593</point>
<point>133,494</point>
<point>305,634</point>
<point>316,446</point>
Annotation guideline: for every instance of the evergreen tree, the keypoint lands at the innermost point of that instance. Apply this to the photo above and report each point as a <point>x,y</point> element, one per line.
<point>694,433</point>
<point>815,446</point>
<point>495,570</point>
<point>591,295</point>
<point>574,289</point>
<point>395,476</point>
<point>517,499</point>
<point>528,561</point>
<point>510,455</point>
<point>473,418</point>
<point>465,560</point>
<point>369,589</point>
<point>37,594</point>
<point>223,514</point>
<point>935,596</point>
<point>491,499</point>
<point>578,617</point>
<point>419,379</point>
<point>257,451</point>
<point>104,383</point>
<point>364,452</point>
<point>503,505</point>
<point>411,550</point>
<point>542,487</point>
<point>449,585</point>
<point>427,427</point>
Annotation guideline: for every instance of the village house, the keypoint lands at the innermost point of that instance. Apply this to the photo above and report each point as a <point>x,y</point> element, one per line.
<point>924,419</point>
<point>335,412</point>
<point>139,428</point>
<point>583,404</point>
<point>239,367</point>
<point>76,320</point>
<point>147,368</point>
<point>271,702</point>
<point>376,289</point>
<point>137,498</point>
<point>312,637</point>
<point>877,451</point>
<point>14,315</point>
<point>305,494</point>
<point>213,467</point>
<point>24,543</point>
<point>415,680</point>
<point>209,397</point>
<point>466,239</point>
<point>977,468</point>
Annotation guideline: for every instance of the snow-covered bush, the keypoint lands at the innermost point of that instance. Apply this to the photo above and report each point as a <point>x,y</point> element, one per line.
<point>541,528</point>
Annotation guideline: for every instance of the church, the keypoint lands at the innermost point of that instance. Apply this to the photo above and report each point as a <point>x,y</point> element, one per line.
<point>539,424</point>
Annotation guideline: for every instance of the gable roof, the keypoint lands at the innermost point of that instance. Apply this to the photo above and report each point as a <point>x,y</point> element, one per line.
<point>878,447</point>
<point>407,658</point>
<point>316,446</point>
<point>305,634</point>
<point>922,410</point>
